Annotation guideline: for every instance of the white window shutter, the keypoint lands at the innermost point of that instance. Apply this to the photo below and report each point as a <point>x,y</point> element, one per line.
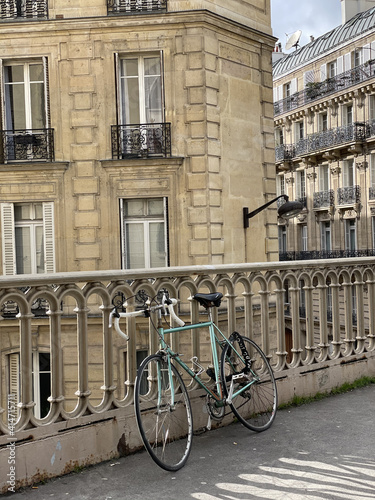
<point>340,65</point>
<point>293,86</point>
<point>323,72</point>
<point>49,237</point>
<point>14,375</point>
<point>347,61</point>
<point>8,239</point>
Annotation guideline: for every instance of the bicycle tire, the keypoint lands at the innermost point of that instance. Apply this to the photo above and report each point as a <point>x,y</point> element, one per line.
<point>165,431</point>
<point>256,407</point>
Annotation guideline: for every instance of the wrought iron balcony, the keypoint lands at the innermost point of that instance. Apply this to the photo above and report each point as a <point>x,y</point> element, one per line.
<point>23,9</point>
<point>355,132</point>
<point>348,195</point>
<point>324,199</point>
<point>121,7</point>
<point>141,140</point>
<point>27,145</point>
<point>317,90</point>
<point>325,254</point>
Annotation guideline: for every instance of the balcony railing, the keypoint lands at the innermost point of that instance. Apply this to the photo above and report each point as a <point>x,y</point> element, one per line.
<point>23,9</point>
<point>317,90</point>
<point>356,132</point>
<point>325,254</point>
<point>27,145</point>
<point>348,195</point>
<point>141,141</point>
<point>89,386</point>
<point>324,199</point>
<point>120,7</point>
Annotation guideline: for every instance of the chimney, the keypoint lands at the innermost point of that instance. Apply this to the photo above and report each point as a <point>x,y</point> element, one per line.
<point>350,8</point>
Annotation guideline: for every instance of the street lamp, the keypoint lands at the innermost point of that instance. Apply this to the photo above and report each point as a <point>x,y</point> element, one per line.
<point>287,210</point>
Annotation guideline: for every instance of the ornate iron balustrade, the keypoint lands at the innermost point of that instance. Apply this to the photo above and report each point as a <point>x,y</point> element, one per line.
<point>356,132</point>
<point>27,145</point>
<point>348,195</point>
<point>120,7</point>
<point>91,378</point>
<point>141,140</point>
<point>325,254</point>
<point>284,152</point>
<point>23,9</point>
<point>317,90</point>
<point>324,199</point>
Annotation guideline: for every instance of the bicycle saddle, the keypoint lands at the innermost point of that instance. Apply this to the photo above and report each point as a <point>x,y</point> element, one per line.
<point>208,299</point>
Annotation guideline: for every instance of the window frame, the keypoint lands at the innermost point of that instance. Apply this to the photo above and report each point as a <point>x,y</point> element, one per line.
<point>324,178</point>
<point>146,220</point>
<point>325,236</point>
<point>350,230</point>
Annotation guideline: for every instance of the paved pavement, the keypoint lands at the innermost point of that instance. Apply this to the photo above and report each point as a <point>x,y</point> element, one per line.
<point>320,451</point>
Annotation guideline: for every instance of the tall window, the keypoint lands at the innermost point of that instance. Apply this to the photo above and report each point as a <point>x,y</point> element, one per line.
<point>325,236</point>
<point>279,137</point>
<point>372,107</point>
<point>323,122</point>
<point>350,235</point>
<point>280,185</point>
<point>144,233</point>
<point>323,178</point>
<point>25,95</point>
<point>348,178</point>
<point>301,185</point>
<point>347,115</point>
<point>140,89</point>
<point>332,69</point>
<point>304,238</point>
<point>27,238</point>
<point>282,239</point>
<point>299,131</point>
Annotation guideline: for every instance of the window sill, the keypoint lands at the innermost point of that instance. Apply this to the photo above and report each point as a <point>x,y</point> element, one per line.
<point>33,166</point>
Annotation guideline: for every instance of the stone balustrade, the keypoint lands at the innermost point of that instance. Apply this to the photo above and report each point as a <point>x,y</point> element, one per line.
<point>92,370</point>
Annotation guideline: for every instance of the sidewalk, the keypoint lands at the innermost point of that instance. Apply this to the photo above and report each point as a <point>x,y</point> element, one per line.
<point>320,451</point>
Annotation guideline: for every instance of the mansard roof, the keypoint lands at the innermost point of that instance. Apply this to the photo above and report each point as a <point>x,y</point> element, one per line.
<point>357,25</point>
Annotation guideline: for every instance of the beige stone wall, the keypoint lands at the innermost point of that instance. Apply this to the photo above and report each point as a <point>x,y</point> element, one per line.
<point>218,99</point>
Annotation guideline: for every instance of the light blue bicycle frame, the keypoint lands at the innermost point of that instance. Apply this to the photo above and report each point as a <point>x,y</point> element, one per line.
<point>219,397</point>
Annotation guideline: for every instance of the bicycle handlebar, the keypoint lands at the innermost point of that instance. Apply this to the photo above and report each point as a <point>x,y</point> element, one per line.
<point>168,303</point>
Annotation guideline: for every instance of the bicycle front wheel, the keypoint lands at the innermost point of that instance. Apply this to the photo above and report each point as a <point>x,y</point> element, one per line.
<point>254,395</point>
<point>163,414</point>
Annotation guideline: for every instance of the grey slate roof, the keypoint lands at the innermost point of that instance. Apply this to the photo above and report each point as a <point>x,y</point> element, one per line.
<point>357,25</point>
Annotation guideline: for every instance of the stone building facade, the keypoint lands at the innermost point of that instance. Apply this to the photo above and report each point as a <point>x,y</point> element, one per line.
<point>324,103</point>
<point>133,133</point>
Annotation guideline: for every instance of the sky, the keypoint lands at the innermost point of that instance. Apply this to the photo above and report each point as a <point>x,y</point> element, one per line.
<point>313,17</point>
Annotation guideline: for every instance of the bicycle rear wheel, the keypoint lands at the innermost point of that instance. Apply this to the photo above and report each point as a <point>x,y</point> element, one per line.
<point>165,422</point>
<point>255,407</point>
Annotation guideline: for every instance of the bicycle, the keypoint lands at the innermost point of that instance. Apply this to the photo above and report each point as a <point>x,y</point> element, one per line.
<point>242,379</point>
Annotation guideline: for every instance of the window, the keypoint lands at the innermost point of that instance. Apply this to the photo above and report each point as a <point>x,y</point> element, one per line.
<point>287,90</point>
<point>372,107</point>
<point>26,115</point>
<point>11,9</point>
<point>304,238</point>
<point>373,231</point>
<point>332,69</point>
<point>350,235</point>
<point>279,137</point>
<point>322,122</point>
<point>144,233</point>
<point>348,171</point>
<point>41,380</point>
<point>323,177</point>
<point>325,236</point>
<point>27,238</point>
<point>280,185</point>
<point>357,57</point>
<point>282,239</point>
<point>301,185</point>
<point>299,131</point>
<point>25,100</point>
<point>140,90</point>
<point>347,116</point>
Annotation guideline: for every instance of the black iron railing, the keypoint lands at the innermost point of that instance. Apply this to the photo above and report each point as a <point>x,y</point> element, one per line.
<point>27,145</point>
<point>348,195</point>
<point>325,254</point>
<point>23,9</point>
<point>120,7</point>
<point>317,90</point>
<point>323,199</point>
<point>141,140</point>
<point>355,132</point>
